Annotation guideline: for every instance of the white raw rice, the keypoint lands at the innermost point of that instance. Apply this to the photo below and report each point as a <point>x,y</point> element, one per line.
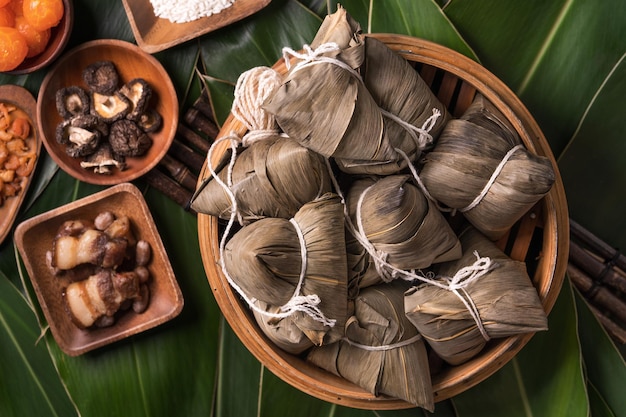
<point>181,11</point>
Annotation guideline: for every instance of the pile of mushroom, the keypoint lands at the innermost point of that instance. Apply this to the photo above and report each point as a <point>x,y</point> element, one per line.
<point>105,123</point>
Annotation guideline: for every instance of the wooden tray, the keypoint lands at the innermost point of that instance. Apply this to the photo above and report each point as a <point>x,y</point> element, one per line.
<point>23,99</point>
<point>34,238</point>
<point>154,34</point>
<point>455,79</point>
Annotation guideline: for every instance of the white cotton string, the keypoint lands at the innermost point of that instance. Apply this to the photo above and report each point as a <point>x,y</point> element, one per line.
<point>420,184</point>
<point>464,277</point>
<point>494,175</point>
<point>456,284</point>
<point>235,141</point>
<point>316,56</point>
<point>306,304</point>
<point>420,135</point>
<point>252,89</point>
<point>387,271</point>
<point>397,345</point>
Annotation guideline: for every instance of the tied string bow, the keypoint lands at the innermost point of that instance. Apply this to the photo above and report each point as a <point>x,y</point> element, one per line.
<point>465,276</point>
<point>457,284</point>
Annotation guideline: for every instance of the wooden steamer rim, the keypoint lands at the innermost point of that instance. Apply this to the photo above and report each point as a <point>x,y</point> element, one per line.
<point>462,77</point>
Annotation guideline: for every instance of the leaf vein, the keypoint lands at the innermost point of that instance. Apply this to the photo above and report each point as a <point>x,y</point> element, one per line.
<point>26,363</point>
<point>545,46</point>
<point>591,103</point>
<point>522,389</point>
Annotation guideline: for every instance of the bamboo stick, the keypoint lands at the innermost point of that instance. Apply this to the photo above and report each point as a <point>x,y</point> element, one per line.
<point>192,138</point>
<point>203,106</point>
<point>182,152</point>
<point>597,294</point>
<point>194,118</point>
<point>596,267</point>
<point>168,187</point>
<point>598,245</point>
<point>179,172</point>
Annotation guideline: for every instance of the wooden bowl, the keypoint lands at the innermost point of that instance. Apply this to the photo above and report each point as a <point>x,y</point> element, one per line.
<point>455,79</point>
<point>131,62</point>
<point>154,34</point>
<point>34,237</point>
<point>59,36</point>
<point>23,99</point>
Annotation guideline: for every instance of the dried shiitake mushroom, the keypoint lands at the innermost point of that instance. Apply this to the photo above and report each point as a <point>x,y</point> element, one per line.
<point>104,160</point>
<point>138,93</point>
<point>124,112</point>
<point>149,121</point>
<point>81,135</point>
<point>72,101</point>
<point>110,108</point>
<point>128,139</point>
<point>101,77</point>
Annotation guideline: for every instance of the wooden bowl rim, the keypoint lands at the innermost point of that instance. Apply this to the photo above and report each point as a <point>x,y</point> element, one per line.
<point>168,130</point>
<point>454,380</point>
<point>59,37</point>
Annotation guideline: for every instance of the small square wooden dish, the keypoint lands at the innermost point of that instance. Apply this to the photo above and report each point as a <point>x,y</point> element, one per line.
<point>154,34</point>
<point>34,237</point>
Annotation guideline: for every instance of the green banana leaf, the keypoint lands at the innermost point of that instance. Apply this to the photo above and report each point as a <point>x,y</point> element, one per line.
<point>563,59</point>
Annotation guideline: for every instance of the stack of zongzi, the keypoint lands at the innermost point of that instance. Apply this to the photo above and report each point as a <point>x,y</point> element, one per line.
<point>361,285</point>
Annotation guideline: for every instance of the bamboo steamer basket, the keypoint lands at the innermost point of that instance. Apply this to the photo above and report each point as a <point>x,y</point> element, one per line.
<point>541,238</point>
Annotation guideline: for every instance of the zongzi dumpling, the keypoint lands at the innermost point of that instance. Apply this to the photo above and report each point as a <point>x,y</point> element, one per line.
<point>481,169</point>
<point>297,265</point>
<point>270,178</point>
<point>382,352</point>
<point>400,225</point>
<point>501,302</point>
